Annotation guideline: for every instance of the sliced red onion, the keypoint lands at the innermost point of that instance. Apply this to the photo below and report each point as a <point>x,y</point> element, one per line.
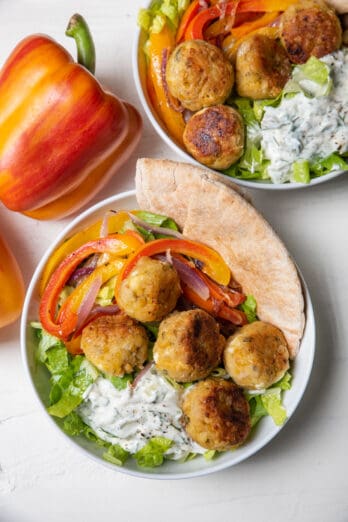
<point>88,301</point>
<point>141,374</point>
<point>169,257</point>
<point>172,102</point>
<point>104,229</point>
<point>79,274</point>
<point>97,311</point>
<point>154,229</point>
<point>192,279</point>
<point>203,4</point>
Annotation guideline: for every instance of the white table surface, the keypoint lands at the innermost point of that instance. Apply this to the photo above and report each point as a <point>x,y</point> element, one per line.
<point>301,475</point>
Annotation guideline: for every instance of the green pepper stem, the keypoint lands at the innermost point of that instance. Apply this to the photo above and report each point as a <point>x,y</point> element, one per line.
<point>79,30</point>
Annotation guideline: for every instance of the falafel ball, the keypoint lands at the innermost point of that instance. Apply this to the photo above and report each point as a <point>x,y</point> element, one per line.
<point>310,28</point>
<point>215,136</point>
<point>216,414</point>
<point>256,356</point>
<point>189,345</point>
<point>115,344</point>
<point>151,290</point>
<point>262,67</point>
<point>199,75</point>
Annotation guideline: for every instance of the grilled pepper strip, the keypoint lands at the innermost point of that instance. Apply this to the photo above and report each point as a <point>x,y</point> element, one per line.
<point>117,244</point>
<point>68,316</point>
<point>213,264</point>
<point>173,120</point>
<point>59,128</point>
<point>115,223</point>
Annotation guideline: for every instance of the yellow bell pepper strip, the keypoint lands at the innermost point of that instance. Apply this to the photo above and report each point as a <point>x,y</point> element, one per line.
<point>115,224</point>
<point>68,317</point>
<point>212,262</point>
<point>116,244</point>
<point>11,285</point>
<point>264,5</point>
<point>192,10</point>
<point>58,127</point>
<point>173,120</point>
<point>238,34</point>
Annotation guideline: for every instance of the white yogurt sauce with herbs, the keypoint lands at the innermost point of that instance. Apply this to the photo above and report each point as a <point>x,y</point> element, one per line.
<point>131,417</point>
<point>303,128</point>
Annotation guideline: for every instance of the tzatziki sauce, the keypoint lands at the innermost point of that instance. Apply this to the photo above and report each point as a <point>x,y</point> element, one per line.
<point>132,416</point>
<point>304,128</point>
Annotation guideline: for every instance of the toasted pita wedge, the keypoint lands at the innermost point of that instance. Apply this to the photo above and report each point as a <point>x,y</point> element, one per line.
<point>214,212</point>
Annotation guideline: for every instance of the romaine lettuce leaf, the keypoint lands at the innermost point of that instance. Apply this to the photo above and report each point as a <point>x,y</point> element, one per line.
<point>152,454</point>
<point>272,402</point>
<point>312,78</point>
<point>329,164</point>
<point>301,172</point>
<point>116,455</point>
<point>249,308</point>
<point>161,12</point>
<point>121,383</point>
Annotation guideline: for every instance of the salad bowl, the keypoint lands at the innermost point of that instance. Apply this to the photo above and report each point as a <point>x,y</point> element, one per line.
<point>39,377</point>
<point>140,73</point>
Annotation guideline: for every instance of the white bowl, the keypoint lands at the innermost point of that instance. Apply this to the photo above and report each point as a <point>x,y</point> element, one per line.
<point>39,376</point>
<point>139,73</point>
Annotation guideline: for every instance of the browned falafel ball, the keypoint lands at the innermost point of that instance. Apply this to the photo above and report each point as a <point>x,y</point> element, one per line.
<point>115,344</point>
<point>199,75</point>
<point>150,291</point>
<point>262,67</point>
<point>189,345</point>
<point>216,414</point>
<point>257,355</point>
<point>310,28</point>
<point>215,136</point>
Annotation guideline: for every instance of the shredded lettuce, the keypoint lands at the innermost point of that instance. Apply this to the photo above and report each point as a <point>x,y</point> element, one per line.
<point>249,308</point>
<point>301,171</point>
<point>312,78</point>
<point>152,454</point>
<point>329,164</point>
<point>210,454</point>
<point>105,296</point>
<point>121,383</point>
<point>116,455</point>
<point>83,375</point>
<point>156,219</point>
<point>270,402</point>
<point>161,12</point>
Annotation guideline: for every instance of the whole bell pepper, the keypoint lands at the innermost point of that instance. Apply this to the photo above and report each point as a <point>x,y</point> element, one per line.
<point>61,136</point>
<point>11,285</point>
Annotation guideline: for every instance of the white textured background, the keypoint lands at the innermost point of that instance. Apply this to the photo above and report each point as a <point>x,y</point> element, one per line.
<point>303,474</point>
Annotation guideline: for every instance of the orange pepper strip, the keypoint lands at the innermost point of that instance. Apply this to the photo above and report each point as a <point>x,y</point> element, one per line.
<point>189,14</point>
<point>117,244</point>
<point>238,34</point>
<point>213,264</point>
<point>68,314</point>
<point>115,223</point>
<point>173,120</point>
<point>265,5</point>
<point>217,309</point>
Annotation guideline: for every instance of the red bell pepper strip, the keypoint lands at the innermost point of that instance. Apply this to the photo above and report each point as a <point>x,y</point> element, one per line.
<point>195,29</point>
<point>192,10</point>
<point>213,264</point>
<point>117,244</point>
<point>215,308</point>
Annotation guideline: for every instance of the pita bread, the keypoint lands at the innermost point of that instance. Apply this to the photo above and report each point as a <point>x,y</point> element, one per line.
<point>209,209</point>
